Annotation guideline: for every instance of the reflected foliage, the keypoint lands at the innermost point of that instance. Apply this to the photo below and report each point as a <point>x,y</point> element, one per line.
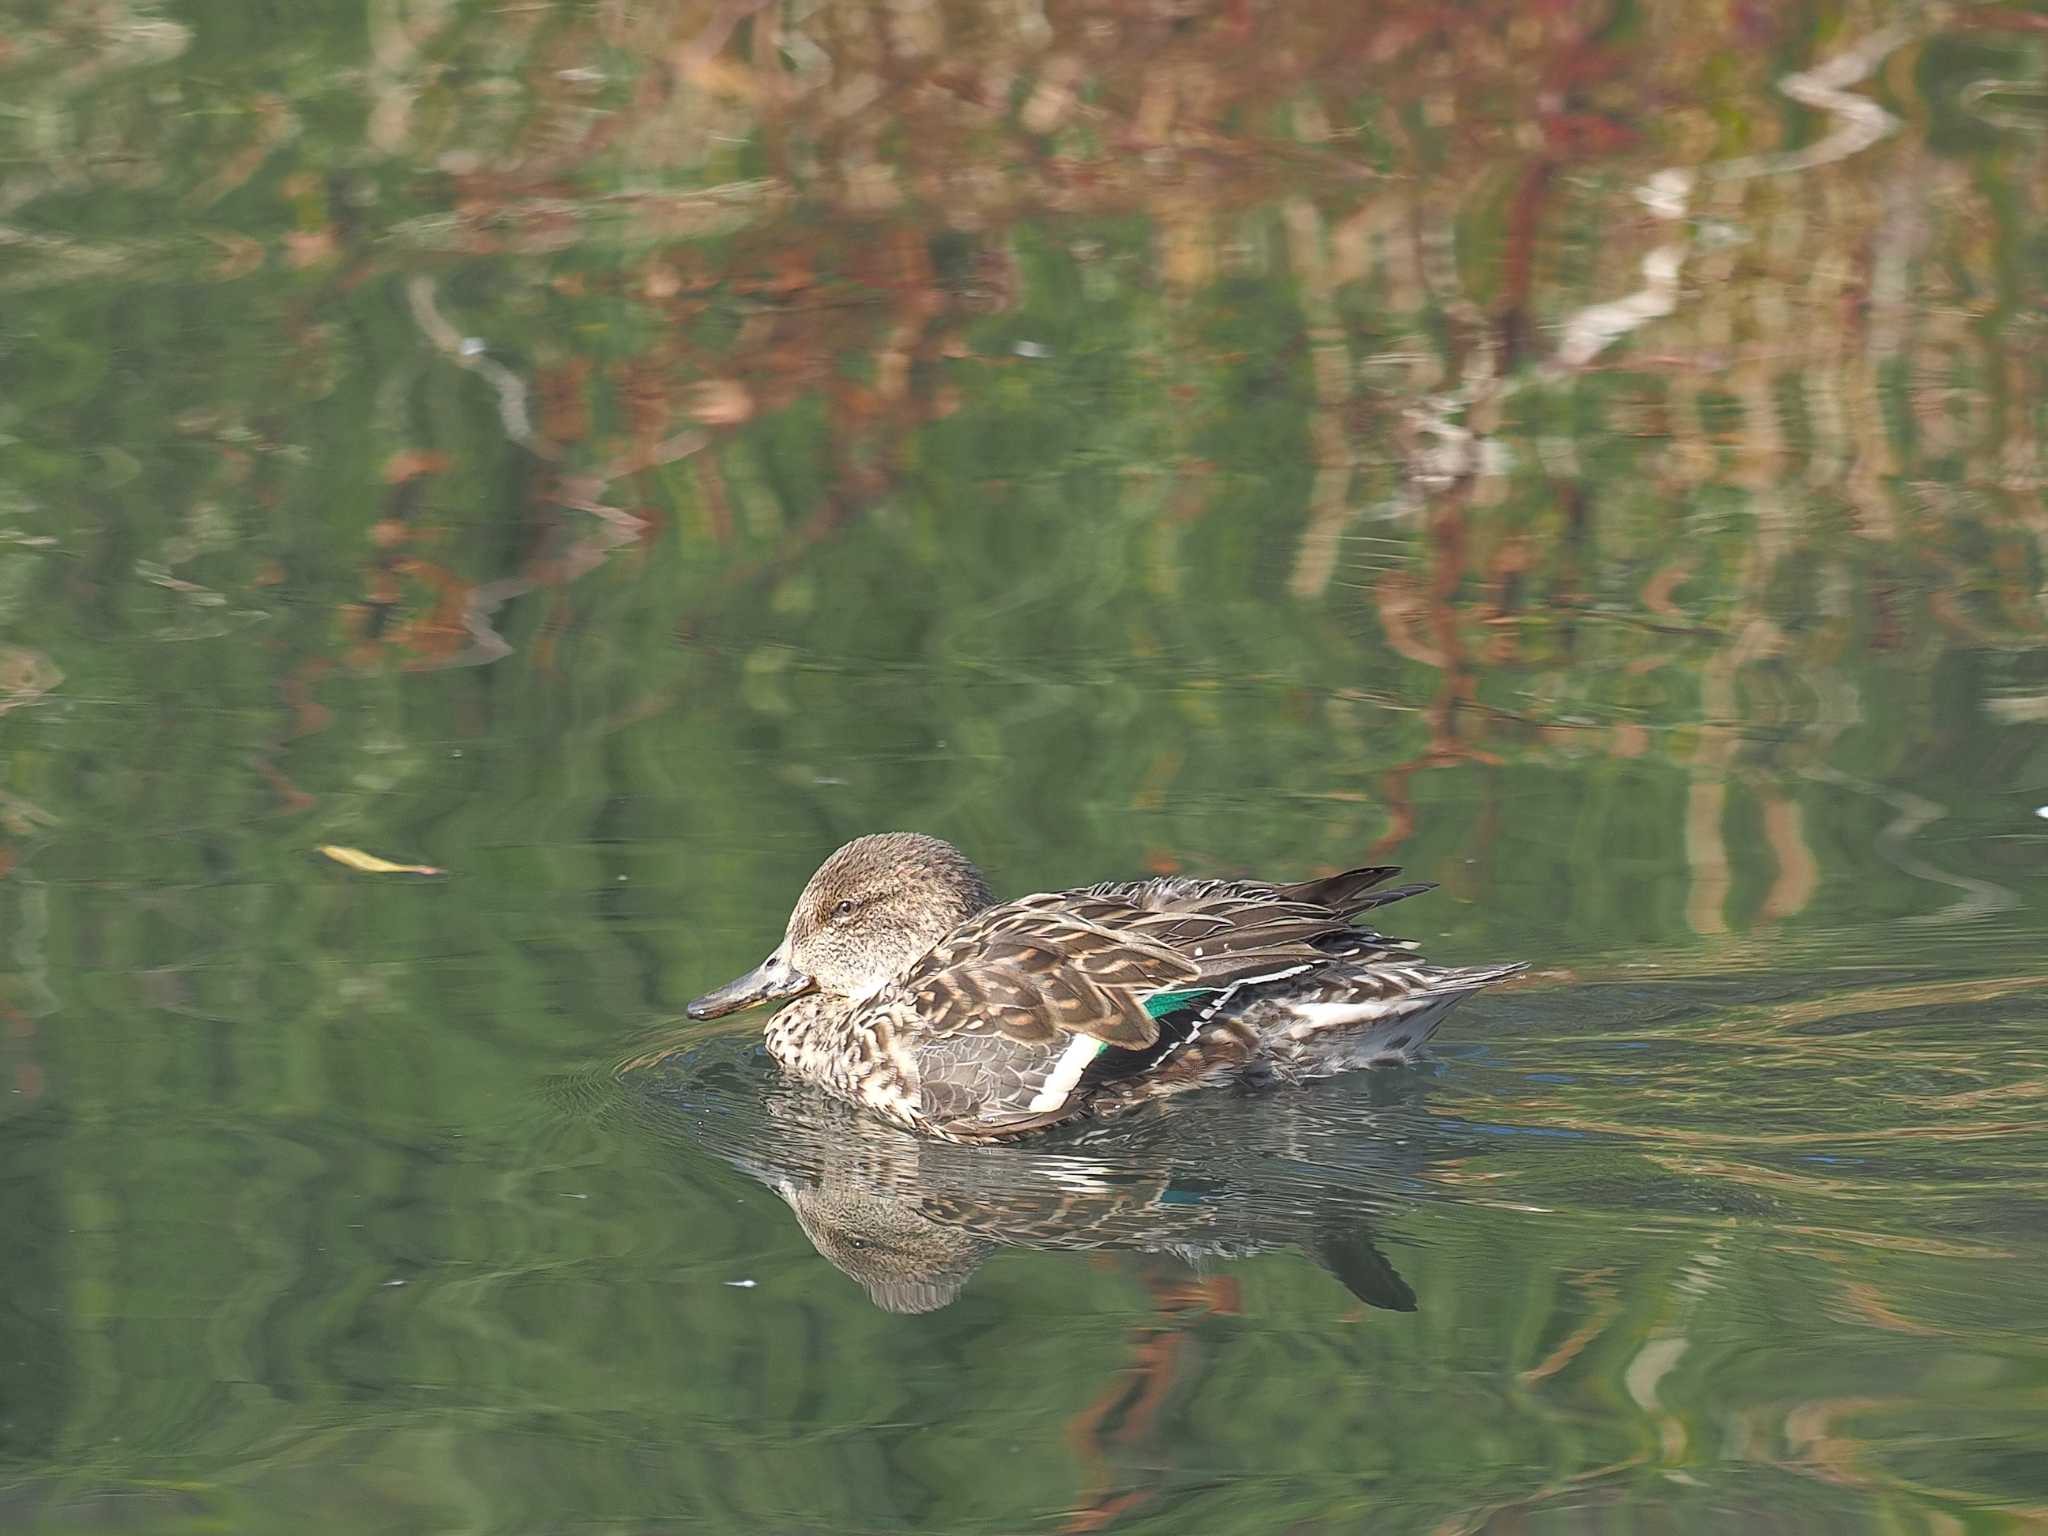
<point>1587,452</point>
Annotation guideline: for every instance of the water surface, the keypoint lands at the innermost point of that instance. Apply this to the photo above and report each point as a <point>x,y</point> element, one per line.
<point>1586,453</point>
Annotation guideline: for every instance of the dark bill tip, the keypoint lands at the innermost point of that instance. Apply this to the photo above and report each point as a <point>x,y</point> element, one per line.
<point>769,982</point>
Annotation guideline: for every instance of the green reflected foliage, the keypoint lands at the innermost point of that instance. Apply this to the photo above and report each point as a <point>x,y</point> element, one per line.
<point>616,451</point>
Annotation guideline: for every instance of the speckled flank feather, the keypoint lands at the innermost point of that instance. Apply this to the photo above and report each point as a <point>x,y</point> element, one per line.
<point>1028,1013</point>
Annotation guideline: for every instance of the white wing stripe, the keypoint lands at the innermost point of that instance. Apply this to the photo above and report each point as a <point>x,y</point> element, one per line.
<point>1066,1072</point>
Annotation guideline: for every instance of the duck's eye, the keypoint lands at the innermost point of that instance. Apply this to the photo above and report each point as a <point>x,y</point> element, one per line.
<point>843,909</point>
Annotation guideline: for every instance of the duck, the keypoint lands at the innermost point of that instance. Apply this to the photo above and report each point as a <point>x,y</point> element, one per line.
<point>909,990</point>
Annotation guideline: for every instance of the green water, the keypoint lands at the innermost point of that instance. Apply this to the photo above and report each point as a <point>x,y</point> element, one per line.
<point>1589,454</point>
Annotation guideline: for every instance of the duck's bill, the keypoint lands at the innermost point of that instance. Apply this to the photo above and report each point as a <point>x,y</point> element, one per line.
<point>769,982</point>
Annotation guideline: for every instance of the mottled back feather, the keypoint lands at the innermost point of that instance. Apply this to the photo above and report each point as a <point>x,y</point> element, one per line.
<point>1035,972</point>
<point>1001,1000</point>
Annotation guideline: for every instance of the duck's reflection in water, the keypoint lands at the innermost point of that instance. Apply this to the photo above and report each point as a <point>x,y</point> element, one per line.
<point>1215,1178</point>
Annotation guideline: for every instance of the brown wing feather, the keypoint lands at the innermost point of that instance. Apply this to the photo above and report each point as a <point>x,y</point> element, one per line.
<point>1235,928</point>
<point>1034,974</point>
<point>1230,936</point>
<point>1346,894</point>
<point>1000,998</point>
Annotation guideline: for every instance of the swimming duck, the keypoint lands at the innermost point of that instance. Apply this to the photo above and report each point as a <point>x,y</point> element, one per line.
<point>911,991</point>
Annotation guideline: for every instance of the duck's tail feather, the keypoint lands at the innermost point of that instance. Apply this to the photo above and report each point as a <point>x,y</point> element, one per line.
<point>1390,895</point>
<point>1470,978</point>
<point>1378,1016</point>
<point>1345,893</point>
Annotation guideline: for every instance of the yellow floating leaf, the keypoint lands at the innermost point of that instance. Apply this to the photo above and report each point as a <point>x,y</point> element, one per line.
<point>370,864</point>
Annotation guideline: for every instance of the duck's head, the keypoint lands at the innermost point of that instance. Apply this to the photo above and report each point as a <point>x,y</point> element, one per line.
<point>871,909</point>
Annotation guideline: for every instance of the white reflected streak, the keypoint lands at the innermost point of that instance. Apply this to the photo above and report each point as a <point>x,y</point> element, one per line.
<point>453,345</point>
<point>1596,328</point>
<point>1858,123</point>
